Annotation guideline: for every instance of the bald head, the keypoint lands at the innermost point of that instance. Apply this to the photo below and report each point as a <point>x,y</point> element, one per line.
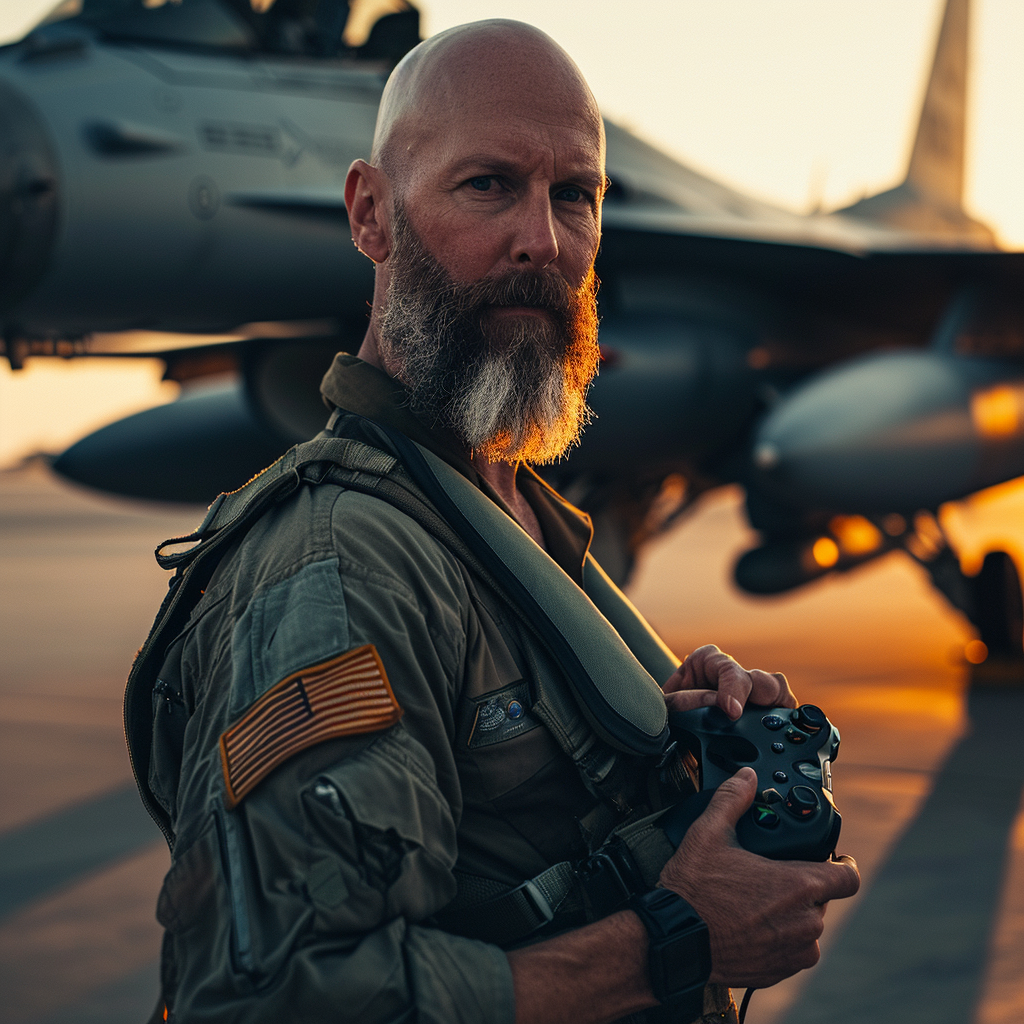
<point>501,70</point>
<point>481,210</point>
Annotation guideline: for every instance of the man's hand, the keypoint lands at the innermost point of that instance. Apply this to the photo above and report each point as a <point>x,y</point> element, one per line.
<point>764,916</point>
<point>710,677</point>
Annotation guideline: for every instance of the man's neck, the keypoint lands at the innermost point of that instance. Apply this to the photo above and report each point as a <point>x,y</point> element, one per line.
<point>502,477</point>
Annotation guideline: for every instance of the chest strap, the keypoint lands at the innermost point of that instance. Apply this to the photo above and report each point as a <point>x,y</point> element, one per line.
<point>617,695</point>
<point>565,895</point>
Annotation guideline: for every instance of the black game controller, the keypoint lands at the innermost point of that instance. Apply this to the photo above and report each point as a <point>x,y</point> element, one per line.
<point>792,749</point>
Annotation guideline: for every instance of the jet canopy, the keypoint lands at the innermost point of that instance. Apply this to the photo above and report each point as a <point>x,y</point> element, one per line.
<point>360,29</point>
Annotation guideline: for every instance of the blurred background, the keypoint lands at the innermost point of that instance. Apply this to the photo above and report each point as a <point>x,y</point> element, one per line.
<point>806,104</point>
<point>809,104</point>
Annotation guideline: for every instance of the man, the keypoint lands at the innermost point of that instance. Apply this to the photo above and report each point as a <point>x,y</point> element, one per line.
<point>353,871</point>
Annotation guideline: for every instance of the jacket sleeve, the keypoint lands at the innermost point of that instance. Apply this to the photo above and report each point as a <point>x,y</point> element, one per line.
<point>311,899</point>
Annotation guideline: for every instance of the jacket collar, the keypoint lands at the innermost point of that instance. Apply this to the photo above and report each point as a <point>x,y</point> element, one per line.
<point>356,386</point>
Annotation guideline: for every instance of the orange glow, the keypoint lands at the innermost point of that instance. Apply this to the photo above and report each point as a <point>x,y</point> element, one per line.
<point>975,652</point>
<point>825,552</point>
<point>894,524</point>
<point>999,411</point>
<point>856,535</point>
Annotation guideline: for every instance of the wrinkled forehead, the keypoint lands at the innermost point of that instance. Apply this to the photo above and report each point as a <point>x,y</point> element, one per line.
<point>493,78</point>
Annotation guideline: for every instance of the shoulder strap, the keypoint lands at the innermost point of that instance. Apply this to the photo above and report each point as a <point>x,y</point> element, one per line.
<point>616,693</point>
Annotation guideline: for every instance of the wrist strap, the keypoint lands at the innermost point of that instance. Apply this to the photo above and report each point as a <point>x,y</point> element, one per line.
<point>679,956</point>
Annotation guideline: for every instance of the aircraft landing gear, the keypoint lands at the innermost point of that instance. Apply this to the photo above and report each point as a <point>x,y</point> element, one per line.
<point>999,607</point>
<point>992,601</point>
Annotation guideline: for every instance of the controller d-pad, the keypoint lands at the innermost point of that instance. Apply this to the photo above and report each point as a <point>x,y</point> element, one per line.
<point>765,817</point>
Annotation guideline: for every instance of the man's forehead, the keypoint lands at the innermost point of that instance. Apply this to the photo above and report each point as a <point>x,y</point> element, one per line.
<point>490,73</point>
<point>490,125</point>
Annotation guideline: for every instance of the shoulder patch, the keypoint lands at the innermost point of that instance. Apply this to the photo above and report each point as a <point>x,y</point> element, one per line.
<point>346,696</point>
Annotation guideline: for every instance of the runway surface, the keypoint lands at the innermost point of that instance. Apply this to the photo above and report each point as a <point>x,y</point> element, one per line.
<point>929,778</point>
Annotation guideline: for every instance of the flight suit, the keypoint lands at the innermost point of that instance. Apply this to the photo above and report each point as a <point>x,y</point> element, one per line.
<point>311,875</point>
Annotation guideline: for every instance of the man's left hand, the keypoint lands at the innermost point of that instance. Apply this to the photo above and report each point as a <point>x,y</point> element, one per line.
<point>708,677</point>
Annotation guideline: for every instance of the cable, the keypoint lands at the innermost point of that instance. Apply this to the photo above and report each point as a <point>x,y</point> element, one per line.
<point>746,1003</point>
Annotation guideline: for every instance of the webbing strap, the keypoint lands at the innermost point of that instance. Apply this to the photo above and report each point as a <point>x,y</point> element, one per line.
<point>517,913</point>
<point>615,692</point>
<point>235,509</point>
<point>565,894</point>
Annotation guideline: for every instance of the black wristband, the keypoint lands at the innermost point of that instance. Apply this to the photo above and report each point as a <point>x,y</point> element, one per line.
<point>679,956</point>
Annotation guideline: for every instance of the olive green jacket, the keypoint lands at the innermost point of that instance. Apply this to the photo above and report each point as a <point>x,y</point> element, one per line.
<point>315,896</point>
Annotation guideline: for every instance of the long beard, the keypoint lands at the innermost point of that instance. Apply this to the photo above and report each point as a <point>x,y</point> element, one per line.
<point>509,387</point>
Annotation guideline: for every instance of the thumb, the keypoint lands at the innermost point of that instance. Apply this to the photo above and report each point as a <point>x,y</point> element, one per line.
<point>732,799</point>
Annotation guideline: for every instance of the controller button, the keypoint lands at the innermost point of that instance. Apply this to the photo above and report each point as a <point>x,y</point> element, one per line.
<point>803,801</point>
<point>810,718</point>
<point>773,722</point>
<point>809,770</point>
<point>795,736</point>
<point>765,817</point>
<point>778,746</point>
<point>771,796</point>
<point>780,776</point>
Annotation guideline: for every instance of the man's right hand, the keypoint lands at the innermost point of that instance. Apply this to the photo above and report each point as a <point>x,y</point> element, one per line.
<point>764,916</point>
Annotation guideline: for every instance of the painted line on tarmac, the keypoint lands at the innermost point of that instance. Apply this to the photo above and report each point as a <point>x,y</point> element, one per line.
<point>915,949</point>
<point>46,855</point>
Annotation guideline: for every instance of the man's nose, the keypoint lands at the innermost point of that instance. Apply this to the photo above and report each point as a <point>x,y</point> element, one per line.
<point>535,241</point>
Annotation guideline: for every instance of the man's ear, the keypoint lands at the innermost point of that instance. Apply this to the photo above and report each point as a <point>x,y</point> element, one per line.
<point>365,188</point>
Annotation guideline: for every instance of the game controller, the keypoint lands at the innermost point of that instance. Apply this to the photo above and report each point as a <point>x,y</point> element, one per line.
<point>792,749</point>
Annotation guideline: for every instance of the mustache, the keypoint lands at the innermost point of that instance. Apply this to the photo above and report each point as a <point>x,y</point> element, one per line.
<point>533,289</point>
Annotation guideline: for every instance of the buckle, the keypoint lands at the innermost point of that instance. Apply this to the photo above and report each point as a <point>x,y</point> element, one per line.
<point>539,901</point>
<point>609,878</point>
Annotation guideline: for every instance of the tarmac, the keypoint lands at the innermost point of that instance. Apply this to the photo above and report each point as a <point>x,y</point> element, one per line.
<point>929,779</point>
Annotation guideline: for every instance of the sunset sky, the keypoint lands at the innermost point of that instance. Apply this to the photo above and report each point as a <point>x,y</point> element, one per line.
<point>796,101</point>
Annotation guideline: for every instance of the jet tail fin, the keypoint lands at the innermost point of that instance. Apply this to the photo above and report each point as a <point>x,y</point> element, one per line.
<point>929,200</point>
<point>937,161</point>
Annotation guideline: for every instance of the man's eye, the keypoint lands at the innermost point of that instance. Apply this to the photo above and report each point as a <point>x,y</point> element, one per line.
<point>481,184</point>
<point>570,194</point>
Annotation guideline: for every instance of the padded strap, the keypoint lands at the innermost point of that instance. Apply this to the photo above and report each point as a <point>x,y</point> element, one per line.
<point>615,693</point>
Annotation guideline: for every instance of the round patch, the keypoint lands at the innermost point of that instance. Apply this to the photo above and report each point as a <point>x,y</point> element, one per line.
<point>515,710</point>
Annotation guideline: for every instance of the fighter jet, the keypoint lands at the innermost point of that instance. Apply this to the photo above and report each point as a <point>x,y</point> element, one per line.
<point>178,167</point>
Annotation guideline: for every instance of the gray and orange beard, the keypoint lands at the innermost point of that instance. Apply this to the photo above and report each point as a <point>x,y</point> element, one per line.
<point>510,386</point>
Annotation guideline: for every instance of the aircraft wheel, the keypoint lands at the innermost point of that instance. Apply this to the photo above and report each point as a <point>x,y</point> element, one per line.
<point>999,606</point>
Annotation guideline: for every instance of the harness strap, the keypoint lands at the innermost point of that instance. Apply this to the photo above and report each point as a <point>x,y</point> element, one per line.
<point>566,894</point>
<point>615,692</point>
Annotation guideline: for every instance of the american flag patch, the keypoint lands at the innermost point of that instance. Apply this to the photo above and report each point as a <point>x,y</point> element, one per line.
<point>345,696</point>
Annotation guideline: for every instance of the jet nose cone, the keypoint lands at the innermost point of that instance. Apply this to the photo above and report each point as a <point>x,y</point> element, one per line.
<point>892,432</point>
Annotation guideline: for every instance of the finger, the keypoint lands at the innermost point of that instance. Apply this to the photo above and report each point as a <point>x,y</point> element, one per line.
<point>770,689</point>
<point>675,681</point>
<point>732,683</point>
<point>694,673</point>
<point>687,700</point>
<point>839,880</point>
<point>731,800</point>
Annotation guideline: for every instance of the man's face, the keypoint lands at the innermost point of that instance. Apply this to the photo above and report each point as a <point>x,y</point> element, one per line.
<point>509,386</point>
<point>490,296</point>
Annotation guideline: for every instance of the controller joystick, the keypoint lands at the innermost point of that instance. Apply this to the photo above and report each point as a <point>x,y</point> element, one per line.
<point>792,749</point>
